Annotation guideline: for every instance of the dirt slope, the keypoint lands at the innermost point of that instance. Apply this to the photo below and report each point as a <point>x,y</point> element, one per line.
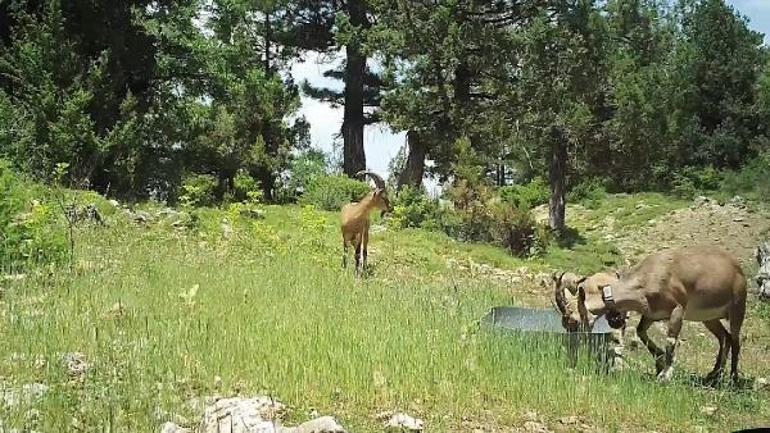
<point>734,226</point>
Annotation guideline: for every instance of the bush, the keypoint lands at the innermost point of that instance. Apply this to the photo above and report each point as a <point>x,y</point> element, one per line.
<point>412,208</point>
<point>516,230</point>
<point>32,227</point>
<point>198,190</point>
<point>589,192</point>
<point>331,192</point>
<point>752,181</point>
<point>303,169</point>
<point>528,195</point>
<point>474,218</point>
<point>246,188</point>
<point>683,186</point>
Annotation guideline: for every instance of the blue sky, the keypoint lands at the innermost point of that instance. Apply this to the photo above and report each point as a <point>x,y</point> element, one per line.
<point>380,143</point>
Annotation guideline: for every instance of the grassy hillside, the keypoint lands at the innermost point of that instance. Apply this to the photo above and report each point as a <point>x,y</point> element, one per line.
<point>184,306</point>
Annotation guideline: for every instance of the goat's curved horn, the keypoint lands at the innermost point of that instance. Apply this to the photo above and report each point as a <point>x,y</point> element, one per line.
<point>378,182</point>
<point>558,294</point>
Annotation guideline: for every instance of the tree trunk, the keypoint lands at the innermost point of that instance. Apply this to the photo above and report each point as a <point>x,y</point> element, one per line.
<point>557,178</point>
<point>354,158</point>
<point>268,36</point>
<point>414,170</point>
<point>266,181</point>
<point>266,176</point>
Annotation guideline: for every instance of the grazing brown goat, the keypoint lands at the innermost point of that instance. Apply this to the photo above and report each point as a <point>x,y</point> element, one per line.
<point>354,220</point>
<point>702,284</point>
<point>566,288</point>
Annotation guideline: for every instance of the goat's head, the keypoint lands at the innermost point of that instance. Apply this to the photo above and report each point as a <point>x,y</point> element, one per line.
<point>580,300</point>
<point>565,286</point>
<point>379,193</point>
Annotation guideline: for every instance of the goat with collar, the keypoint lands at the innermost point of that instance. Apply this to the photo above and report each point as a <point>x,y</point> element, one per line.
<point>703,284</point>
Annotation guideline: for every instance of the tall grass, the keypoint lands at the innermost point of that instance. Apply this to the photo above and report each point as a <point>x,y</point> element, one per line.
<point>273,313</point>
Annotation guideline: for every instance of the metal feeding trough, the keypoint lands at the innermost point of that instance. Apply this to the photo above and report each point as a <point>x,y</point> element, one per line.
<point>546,324</point>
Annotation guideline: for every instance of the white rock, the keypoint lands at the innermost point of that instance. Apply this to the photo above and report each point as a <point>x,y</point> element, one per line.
<point>324,424</point>
<point>170,427</point>
<point>28,393</point>
<point>535,427</point>
<point>113,203</point>
<point>708,410</point>
<point>240,415</point>
<point>401,422</point>
<point>761,384</point>
<point>75,362</point>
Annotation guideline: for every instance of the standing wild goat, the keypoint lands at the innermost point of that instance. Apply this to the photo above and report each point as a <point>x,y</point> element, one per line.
<point>355,220</point>
<point>702,284</point>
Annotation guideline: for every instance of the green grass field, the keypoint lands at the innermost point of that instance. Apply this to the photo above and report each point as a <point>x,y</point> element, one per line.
<point>161,313</point>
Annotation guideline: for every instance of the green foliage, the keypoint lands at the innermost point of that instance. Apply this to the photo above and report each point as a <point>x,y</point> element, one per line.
<point>331,192</point>
<point>303,169</point>
<point>480,215</point>
<point>690,181</point>
<point>590,192</point>
<point>412,208</point>
<point>528,195</point>
<point>198,190</point>
<point>32,227</point>
<point>683,186</point>
<point>752,181</point>
<point>515,230</point>
<point>246,188</point>
<point>474,217</point>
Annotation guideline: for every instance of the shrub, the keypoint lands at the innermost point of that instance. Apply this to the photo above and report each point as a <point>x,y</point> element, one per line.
<point>246,188</point>
<point>32,227</point>
<point>412,208</point>
<point>752,181</point>
<point>198,190</point>
<point>590,192</point>
<point>474,219</point>
<point>703,178</point>
<point>683,186</point>
<point>516,230</point>
<point>528,195</point>
<point>331,192</point>
<point>303,169</point>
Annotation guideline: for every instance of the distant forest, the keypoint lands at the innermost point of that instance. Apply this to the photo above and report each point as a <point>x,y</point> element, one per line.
<point>136,97</point>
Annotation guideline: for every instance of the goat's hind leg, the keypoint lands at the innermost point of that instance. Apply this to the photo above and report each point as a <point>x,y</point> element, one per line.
<point>737,314</point>
<point>657,352</point>
<point>358,254</point>
<point>344,253</point>
<point>719,331</point>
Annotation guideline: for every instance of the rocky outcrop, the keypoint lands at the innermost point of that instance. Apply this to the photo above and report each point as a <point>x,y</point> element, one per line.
<point>258,414</point>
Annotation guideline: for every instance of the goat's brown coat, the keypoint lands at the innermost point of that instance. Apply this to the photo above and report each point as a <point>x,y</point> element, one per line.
<point>354,221</point>
<point>703,284</point>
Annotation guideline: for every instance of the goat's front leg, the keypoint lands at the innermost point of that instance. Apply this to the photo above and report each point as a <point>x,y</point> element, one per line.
<point>358,254</point>
<point>641,331</point>
<point>365,247</point>
<point>672,339</point>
